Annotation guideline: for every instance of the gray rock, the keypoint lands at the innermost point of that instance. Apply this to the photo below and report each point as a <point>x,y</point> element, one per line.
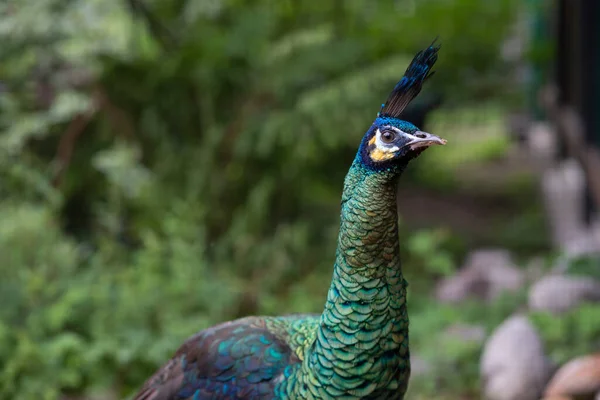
<point>485,275</point>
<point>558,293</point>
<point>460,287</point>
<point>513,364</point>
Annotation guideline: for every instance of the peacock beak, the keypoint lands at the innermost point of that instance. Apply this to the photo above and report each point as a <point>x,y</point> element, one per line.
<point>424,139</point>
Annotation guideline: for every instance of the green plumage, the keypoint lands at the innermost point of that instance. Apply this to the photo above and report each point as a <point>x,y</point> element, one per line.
<point>361,346</point>
<point>358,347</point>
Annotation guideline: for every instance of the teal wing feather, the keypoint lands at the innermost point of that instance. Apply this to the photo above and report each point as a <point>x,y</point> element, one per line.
<point>242,359</point>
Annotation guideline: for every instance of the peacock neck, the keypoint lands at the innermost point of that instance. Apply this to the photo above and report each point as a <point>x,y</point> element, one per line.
<point>361,347</point>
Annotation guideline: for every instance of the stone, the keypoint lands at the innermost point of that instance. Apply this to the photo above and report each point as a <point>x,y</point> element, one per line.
<point>485,275</point>
<point>514,365</point>
<point>577,378</point>
<point>559,293</point>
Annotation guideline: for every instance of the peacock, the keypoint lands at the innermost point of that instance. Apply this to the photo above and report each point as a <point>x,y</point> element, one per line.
<point>358,347</point>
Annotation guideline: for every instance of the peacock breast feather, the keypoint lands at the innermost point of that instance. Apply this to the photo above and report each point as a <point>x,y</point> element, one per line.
<point>299,331</point>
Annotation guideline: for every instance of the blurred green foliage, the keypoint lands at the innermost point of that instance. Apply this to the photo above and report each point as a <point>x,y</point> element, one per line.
<point>575,333</point>
<point>169,164</point>
<point>453,359</point>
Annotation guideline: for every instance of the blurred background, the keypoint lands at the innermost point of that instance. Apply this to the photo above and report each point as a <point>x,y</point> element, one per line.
<point>166,165</point>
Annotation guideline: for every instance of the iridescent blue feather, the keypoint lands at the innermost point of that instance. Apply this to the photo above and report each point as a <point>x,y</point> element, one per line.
<point>419,70</point>
<point>234,360</point>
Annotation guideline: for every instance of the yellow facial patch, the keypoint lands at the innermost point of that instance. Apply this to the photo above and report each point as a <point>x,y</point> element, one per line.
<point>377,153</point>
<point>380,155</point>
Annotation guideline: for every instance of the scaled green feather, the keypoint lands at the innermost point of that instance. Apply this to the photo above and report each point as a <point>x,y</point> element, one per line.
<point>358,347</point>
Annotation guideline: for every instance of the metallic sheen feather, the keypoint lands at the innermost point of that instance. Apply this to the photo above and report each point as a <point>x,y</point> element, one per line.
<point>358,347</point>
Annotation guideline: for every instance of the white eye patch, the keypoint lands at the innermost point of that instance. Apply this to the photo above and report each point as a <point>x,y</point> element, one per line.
<point>385,151</point>
<point>387,147</point>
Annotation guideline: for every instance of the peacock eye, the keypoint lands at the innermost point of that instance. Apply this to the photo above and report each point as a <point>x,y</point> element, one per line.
<point>388,136</point>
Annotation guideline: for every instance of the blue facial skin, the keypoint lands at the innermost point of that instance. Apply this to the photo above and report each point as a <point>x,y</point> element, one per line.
<point>402,156</point>
<point>396,123</point>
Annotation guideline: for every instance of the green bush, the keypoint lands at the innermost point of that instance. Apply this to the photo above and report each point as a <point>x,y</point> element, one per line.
<point>165,165</point>
<point>79,319</point>
<point>573,334</point>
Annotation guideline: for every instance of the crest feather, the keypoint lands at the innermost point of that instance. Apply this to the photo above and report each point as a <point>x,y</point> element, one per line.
<point>410,85</point>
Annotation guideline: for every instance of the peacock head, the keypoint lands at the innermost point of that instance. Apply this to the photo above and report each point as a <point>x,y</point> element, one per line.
<point>392,142</point>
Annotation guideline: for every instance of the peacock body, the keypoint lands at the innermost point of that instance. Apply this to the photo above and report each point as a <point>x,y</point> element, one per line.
<point>358,347</point>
